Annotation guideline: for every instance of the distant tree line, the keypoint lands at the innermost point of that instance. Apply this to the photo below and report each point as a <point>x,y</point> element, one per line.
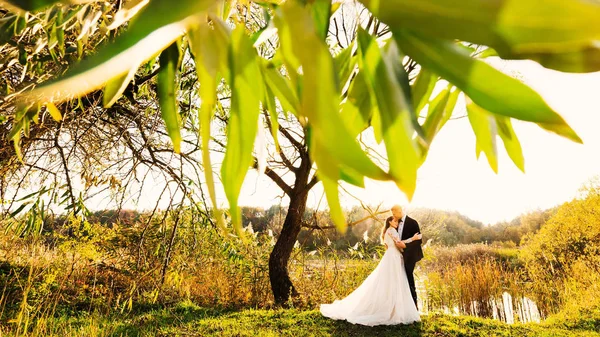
<point>446,228</point>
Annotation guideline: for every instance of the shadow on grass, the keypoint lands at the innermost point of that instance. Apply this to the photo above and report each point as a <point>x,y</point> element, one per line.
<point>342,328</point>
<point>150,320</point>
<point>213,322</point>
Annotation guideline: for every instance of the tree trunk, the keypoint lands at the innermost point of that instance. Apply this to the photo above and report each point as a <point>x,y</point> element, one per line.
<point>281,285</point>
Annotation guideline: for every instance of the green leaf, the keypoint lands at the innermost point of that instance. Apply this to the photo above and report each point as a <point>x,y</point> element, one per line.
<point>156,27</point>
<point>116,86</point>
<point>16,129</point>
<point>274,117</point>
<point>510,140</point>
<point>352,177</point>
<point>335,7</point>
<point>126,12</point>
<point>264,34</point>
<point>60,32</point>
<point>224,9</point>
<point>167,77</point>
<point>383,73</point>
<point>437,107</point>
<point>487,52</point>
<point>35,5</point>
<point>422,88</point>
<point>26,127</point>
<point>554,26</point>
<point>357,110</point>
<point>320,94</point>
<point>40,192</point>
<point>281,88</point>
<point>550,27</point>
<point>486,86</point>
<point>17,145</point>
<point>344,64</point>
<point>440,111</point>
<point>329,174</point>
<point>209,45</point>
<point>333,200</point>
<point>331,144</point>
<point>353,119</point>
<point>246,93</point>
<point>449,107</point>
<point>484,127</point>
<point>585,60</point>
<point>19,209</point>
<point>321,11</point>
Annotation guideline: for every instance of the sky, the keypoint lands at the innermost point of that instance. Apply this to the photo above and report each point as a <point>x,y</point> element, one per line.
<point>453,179</point>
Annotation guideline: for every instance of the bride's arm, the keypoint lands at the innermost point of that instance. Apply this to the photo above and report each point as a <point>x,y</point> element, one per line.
<point>399,243</point>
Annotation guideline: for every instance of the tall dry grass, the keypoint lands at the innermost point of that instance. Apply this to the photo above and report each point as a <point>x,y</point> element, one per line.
<point>86,269</point>
<point>472,279</point>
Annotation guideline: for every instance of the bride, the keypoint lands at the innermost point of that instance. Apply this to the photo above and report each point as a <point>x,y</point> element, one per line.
<point>383,298</point>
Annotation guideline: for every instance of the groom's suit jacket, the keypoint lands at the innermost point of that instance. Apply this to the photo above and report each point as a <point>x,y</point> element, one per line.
<point>413,252</point>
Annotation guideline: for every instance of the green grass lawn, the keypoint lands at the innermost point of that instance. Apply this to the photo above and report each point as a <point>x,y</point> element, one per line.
<point>189,320</point>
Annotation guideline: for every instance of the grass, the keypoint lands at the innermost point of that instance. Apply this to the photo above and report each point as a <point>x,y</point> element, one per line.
<point>187,319</point>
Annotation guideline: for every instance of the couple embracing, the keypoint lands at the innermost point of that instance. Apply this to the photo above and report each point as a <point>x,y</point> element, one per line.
<point>388,295</point>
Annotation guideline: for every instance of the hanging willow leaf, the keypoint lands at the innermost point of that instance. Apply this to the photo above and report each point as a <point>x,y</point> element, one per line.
<point>54,112</point>
<point>35,5</point>
<point>210,47</point>
<point>321,11</point>
<point>274,118</point>
<point>345,64</point>
<point>555,30</point>
<point>320,94</point>
<point>333,201</point>
<point>331,144</point>
<point>281,88</point>
<point>422,88</point>
<point>157,25</point>
<point>357,110</point>
<point>435,116</point>
<point>510,140</point>
<point>17,145</point>
<point>382,74</point>
<point>116,86</point>
<point>246,92</point>
<point>484,127</point>
<point>486,86</point>
<point>167,77</point>
<point>584,60</point>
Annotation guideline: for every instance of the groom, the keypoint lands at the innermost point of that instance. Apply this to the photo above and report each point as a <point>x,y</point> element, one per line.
<point>407,227</point>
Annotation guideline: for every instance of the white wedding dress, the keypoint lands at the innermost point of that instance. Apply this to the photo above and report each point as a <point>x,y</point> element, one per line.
<point>383,298</point>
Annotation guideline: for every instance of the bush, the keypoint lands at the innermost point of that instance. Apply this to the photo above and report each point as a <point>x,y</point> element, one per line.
<point>562,259</point>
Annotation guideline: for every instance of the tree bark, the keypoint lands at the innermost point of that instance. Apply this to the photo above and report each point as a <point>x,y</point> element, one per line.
<point>281,284</point>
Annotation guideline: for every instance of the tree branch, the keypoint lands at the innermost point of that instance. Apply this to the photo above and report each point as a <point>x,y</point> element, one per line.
<point>287,189</point>
<point>286,161</point>
<point>370,216</point>
<point>312,182</point>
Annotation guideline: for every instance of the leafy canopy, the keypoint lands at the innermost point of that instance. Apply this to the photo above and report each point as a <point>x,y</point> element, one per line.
<point>335,97</point>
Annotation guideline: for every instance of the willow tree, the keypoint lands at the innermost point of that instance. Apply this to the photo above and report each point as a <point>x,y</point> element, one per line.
<point>335,97</point>
<point>84,150</point>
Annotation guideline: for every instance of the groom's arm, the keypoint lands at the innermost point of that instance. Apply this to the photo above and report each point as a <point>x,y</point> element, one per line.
<point>400,244</point>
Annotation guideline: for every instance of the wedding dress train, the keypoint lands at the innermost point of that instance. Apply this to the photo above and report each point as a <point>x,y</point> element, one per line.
<point>384,296</point>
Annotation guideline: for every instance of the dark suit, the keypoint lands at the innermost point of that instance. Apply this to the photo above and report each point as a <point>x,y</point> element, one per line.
<point>412,253</point>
